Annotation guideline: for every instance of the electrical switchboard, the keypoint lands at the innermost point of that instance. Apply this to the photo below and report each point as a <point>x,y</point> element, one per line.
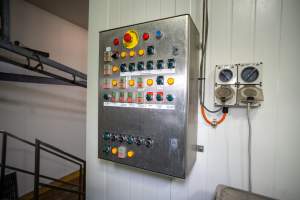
<point>148,95</point>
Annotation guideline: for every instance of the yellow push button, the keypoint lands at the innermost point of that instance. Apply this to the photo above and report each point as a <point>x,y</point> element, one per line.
<point>115,69</point>
<point>114,150</point>
<point>130,154</point>
<point>149,82</point>
<point>131,83</point>
<point>141,52</point>
<point>170,81</point>
<point>132,53</point>
<point>123,54</point>
<point>114,83</point>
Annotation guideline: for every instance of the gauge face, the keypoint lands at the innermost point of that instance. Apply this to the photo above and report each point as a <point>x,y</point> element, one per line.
<point>225,75</point>
<point>249,74</point>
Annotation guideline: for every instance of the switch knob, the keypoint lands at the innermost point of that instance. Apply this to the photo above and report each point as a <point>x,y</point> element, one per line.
<point>150,65</point>
<point>106,149</point>
<point>130,140</point>
<point>148,142</point>
<point>160,80</point>
<point>114,138</point>
<point>115,55</point>
<point>150,50</point>
<point>170,97</point>
<point>106,97</point>
<point>140,66</point>
<point>139,141</point>
<point>106,135</point>
<point>131,67</point>
<point>121,138</point>
<point>171,63</point>
<point>160,64</point>
<point>123,67</point>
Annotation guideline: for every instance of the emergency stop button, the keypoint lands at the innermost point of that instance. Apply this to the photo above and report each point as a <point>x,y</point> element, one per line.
<point>130,39</point>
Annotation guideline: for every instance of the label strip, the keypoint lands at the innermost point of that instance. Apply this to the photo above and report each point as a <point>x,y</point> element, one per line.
<point>135,105</point>
<point>148,72</point>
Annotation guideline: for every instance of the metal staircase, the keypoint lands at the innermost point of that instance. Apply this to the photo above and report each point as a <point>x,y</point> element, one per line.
<point>38,147</point>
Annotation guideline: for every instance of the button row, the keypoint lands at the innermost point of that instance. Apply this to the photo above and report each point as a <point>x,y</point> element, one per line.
<point>137,97</point>
<point>120,151</point>
<point>129,139</point>
<point>136,82</point>
<point>145,36</point>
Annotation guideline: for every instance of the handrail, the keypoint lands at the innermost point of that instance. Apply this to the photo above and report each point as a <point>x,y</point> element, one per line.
<point>40,145</point>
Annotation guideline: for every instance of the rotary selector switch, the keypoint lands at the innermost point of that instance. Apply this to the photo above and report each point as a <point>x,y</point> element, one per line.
<point>148,142</point>
<point>139,141</point>
<point>150,65</point>
<point>130,139</point>
<point>121,138</point>
<point>106,135</point>
<point>131,67</point>
<point>123,67</point>
<point>114,138</point>
<point>140,66</point>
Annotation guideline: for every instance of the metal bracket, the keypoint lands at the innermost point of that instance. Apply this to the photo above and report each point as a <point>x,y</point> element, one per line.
<point>200,148</point>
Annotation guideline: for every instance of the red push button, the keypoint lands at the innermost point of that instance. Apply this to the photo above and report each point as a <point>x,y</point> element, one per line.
<point>127,37</point>
<point>116,41</point>
<point>146,36</point>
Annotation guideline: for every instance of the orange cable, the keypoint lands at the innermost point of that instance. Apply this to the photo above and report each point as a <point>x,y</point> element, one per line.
<point>223,117</point>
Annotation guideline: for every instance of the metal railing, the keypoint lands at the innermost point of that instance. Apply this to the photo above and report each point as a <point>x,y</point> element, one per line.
<point>43,146</point>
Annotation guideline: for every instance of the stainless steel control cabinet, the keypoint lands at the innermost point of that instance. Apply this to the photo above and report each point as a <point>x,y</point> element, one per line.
<point>148,95</point>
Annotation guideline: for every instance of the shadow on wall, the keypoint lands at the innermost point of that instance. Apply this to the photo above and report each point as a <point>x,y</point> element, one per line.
<point>17,95</point>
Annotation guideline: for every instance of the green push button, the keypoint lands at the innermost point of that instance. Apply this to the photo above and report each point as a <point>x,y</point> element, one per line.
<point>159,97</point>
<point>106,135</point>
<point>170,97</point>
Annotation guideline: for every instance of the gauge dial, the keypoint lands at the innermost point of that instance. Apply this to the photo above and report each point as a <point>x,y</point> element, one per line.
<point>225,75</point>
<point>250,74</point>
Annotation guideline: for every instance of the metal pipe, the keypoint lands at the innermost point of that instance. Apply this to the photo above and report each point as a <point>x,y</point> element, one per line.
<point>3,162</point>
<point>17,64</point>
<point>5,20</point>
<point>37,170</point>
<point>29,54</point>
<point>31,79</point>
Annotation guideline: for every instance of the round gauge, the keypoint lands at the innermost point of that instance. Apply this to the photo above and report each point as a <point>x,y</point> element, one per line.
<point>250,74</point>
<point>225,75</point>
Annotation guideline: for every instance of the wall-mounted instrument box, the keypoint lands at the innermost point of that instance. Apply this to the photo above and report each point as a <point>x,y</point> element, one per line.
<point>148,95</point>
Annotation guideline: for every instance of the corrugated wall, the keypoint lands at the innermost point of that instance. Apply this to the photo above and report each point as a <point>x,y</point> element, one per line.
<point>240,31</point>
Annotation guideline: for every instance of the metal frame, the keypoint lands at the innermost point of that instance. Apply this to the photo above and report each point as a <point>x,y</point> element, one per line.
<point>78,78</point>
<point>40,145</point>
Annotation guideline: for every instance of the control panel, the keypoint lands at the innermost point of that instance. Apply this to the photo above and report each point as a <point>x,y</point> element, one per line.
<point>148,95</point>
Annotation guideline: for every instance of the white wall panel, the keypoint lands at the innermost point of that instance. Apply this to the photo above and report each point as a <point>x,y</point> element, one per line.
<point>239,31</point>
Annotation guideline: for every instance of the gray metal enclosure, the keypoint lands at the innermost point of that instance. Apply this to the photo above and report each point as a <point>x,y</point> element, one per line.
<point>150,126</point>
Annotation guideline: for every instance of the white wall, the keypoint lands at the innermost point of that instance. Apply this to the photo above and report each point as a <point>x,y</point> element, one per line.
<point>54,114</point>
<point>240,31</point>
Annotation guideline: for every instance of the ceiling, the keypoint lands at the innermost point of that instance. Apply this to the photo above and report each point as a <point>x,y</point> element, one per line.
<point>75,11</point>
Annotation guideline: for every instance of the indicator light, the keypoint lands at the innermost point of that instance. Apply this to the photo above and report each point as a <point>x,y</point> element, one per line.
<point>122,152</point>
<point>115,69</point>
<point>130,97</point>
<point>149,82</point>
<point>116,41</point>
<point>140,82</point>
<point>158,34</point>
<point>114,150</point>
<point>130,154</point>
<point>114,96</point>
<point>114,83</point>
<point>139,98</point>
<point>141,52</point>
<point>146,36</point>
<point>123,54</point>
<point>122,97</point>
<point>170,81</point>
<point>132,53</point>
<point>127,37</point>
<point>131,82</point>
<point>170,97</point>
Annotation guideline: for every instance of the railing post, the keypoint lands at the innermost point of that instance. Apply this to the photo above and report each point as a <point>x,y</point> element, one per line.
<point>5,20</point>
<point>84,181</point>
<point>36,169</point>
<point>80,183</point>
<point>3,162</point>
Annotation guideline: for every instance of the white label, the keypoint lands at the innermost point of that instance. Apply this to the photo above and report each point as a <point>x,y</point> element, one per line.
<point>136,105</point>
<point>108,49</point>
<point>148,72</point>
